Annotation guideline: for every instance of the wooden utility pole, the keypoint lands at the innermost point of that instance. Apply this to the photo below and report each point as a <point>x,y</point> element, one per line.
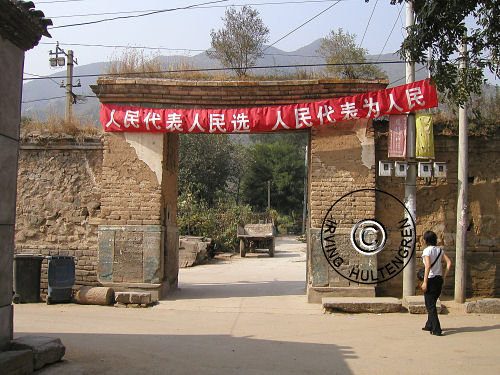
<point>411,175</point>
<point>463,188</point>
<point>69,87</point>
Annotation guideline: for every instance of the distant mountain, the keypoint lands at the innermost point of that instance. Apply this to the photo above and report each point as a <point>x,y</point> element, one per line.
<point>307,55</point>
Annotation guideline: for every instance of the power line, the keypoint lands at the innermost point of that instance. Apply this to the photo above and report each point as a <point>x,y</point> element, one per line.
<point>57,1</point>
<point>37,75</point>
<point>164,48</point>
<point>196,7</point>
<point>400,79</point>
<point>368,24</point>
<point>220,69</point>
<point>390,33</point>
<point>41,100</point>
<point>305,23</point>
<point>137,15</point>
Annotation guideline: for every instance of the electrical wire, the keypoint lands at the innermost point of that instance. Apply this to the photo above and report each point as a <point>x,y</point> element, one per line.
<point>368,24</point>
<point>305,23</point>
<point>218,69</point>
<point>41,100</point>
<point>197,7</point>
<point>37,75</point>
<point>136,16</point>
<point>424,67</point>
<point>390,33</point>
<point>164,48</point>
<point>57,1</point>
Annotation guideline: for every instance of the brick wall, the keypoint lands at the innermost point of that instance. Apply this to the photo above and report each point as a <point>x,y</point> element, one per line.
<point>436,210</point>
<point>342,160</point>
<point>131,194</point>
<point>58,203</point>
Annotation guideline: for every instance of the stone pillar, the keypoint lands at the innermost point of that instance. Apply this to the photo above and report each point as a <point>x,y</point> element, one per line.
<point>138,213</point>
<point>11,61</point>
<point>342,160</point>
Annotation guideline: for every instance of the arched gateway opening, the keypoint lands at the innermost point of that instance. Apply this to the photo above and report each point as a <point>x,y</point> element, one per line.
<point>138,235</point>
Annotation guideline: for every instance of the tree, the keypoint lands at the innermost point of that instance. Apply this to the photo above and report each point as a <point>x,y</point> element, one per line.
<point>240,43</point>
<point>441,26</point>
<point>205,165</point>
<point>340,48</point>
<point>281,163</point>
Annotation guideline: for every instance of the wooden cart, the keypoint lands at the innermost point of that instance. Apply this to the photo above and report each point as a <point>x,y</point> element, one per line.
<point>256,236</point>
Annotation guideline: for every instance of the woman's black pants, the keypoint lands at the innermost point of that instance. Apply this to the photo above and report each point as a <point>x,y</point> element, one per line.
<point>431,296</point>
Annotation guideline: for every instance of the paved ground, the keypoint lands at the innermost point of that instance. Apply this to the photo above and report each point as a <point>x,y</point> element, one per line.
<point>250,316</point>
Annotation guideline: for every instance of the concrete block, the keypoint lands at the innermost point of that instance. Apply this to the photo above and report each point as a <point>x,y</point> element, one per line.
<point>16,362</point>
<point>46,350</point>
<point>484,306</point>
<point>133,297</point>
<point>416,305</point>
<point>362,304</point>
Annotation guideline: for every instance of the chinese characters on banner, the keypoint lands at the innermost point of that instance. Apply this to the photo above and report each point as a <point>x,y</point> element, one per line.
<point>400,99</point>
<point>425,136</point>
<point>397,136</point>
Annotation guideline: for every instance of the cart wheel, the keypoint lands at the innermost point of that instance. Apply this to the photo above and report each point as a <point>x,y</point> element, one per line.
<point>243,250</point>
<point>271,248</point>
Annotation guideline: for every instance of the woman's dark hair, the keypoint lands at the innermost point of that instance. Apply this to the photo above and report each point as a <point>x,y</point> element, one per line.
<point>430,238</point>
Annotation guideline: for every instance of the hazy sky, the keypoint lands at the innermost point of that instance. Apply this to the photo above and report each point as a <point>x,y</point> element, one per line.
<point>189,29</point>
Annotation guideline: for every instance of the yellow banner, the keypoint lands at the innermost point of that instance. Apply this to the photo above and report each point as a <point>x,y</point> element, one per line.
<point>425,136</point>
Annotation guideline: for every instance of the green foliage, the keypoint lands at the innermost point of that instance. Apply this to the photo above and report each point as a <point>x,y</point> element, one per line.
<point>240,43</point>
<point>440,26</point>
<point>483,113</point>
<point>282,164</point>
<point>205,165</point>
<point>340,48</point>
<point>217,221</point>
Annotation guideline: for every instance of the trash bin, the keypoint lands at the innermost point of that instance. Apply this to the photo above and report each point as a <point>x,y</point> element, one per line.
<point>61,277</point>
<point>27,278</point>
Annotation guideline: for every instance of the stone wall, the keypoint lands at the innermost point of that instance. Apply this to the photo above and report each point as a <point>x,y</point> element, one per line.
<point>436,210</point>
<point>59,203</point>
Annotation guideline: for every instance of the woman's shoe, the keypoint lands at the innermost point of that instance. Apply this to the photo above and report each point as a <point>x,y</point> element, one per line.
<point>437,333</point>
<point>426,329</point>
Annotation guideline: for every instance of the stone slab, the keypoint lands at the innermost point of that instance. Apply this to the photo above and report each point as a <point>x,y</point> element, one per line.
<point>416,305</point>
<point>316,294</point>
<point>16,362</point>
<point>362,304</point>
<point>484,306</point>
<point>133,297</point>
<point>46,350</point>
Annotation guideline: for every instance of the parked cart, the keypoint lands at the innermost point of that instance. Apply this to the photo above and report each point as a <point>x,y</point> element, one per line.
<point>256,237</point>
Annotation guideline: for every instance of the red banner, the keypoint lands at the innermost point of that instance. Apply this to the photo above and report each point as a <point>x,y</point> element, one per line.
<point>396,100</point>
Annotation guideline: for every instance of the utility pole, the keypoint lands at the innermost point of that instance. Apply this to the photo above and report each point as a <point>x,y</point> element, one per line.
<point>268,195</point>
<point>411,176</point>
<point>306,173</point>
<point>69,87</point>
<point>58,60</point>
<point>462,201</point>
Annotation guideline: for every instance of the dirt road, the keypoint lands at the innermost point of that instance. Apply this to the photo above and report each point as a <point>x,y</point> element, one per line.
<point>250,316</point>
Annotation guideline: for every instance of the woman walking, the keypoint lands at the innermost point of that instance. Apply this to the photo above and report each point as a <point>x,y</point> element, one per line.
<point>433,280</point>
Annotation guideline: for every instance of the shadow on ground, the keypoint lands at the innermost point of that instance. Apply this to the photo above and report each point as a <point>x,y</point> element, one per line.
<point>195,354</point>
<point>238,289</point>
